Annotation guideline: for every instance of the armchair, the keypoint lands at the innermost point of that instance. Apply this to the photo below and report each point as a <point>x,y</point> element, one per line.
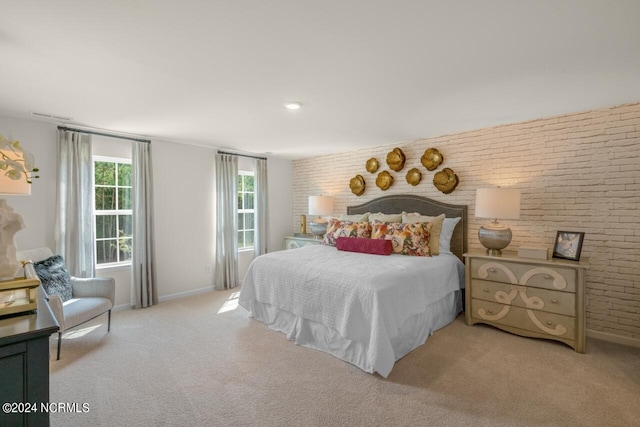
<point>91,297</point>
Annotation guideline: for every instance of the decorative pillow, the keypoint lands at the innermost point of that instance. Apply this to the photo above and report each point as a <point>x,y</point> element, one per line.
<point>365,246</point>
<point>54,277</point>
<point>448,226</point>
<point>355,217</point>
<point>385,217</point>
<point>407,239</point>
<point>337,228</point>
<point>436,228</point>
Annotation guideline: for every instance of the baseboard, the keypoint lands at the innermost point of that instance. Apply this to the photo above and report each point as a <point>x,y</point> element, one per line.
<point>121,307</point>
<point>185,294</point>
<point>605,336</point>
<point>178,295</point>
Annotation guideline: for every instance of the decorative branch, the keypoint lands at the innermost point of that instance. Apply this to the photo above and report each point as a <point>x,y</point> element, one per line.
<point>23,164</point>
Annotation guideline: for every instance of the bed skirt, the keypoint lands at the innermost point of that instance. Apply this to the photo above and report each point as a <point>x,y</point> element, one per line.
<point>311,334</point>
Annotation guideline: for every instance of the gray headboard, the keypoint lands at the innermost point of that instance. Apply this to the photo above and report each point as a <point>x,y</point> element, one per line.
<point>397,203</point>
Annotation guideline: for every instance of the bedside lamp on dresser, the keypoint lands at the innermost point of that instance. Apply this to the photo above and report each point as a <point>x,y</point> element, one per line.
<point>494,203</point>
<point>320,205</point>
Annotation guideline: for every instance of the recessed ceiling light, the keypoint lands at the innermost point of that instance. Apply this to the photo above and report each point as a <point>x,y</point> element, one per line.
<point>293,105</point>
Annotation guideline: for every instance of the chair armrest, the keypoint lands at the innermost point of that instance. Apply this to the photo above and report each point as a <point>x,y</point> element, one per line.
<point>55,304</point>
<point>94,287</point>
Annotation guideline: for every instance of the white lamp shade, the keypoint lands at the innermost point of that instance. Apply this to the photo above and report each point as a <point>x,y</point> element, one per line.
<point>10,186</point>
<point>320,205</point>
<point>497,203</point>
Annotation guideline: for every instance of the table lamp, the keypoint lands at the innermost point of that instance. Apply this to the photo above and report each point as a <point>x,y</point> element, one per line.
<point>502,203</point>
<point>14,180</point>
<point>320,205</point>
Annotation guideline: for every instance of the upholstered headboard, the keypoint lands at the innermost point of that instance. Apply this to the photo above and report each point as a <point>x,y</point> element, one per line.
<point>397,203</point>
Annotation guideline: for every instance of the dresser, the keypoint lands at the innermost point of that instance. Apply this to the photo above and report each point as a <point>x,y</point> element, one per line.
<point>293,242</point>
<point>24,364</point>
<point>528,297</point>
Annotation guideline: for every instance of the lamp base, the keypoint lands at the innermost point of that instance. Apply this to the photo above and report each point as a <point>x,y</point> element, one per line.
<point>319,227</point>
<point>495,238</point>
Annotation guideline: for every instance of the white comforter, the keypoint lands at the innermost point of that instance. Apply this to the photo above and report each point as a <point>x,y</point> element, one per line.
<point>365,298</point>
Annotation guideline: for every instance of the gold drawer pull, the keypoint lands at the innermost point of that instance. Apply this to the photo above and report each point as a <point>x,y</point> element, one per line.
<point>492,270</point>
<point>555,301</point>
<point>547,277</point>
<point>486,290</point>
<point>549,322</point>
<point>490,311</point>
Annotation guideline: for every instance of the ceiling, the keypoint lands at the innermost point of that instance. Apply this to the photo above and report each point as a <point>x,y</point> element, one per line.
<point>217,73</point>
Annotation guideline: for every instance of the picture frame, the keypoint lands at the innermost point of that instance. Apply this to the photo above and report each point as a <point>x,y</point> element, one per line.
<point>568,245</point>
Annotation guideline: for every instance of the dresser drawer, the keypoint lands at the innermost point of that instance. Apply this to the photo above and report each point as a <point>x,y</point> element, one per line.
<point>555,325</point>
<point>527,297</point>
<point>539,276</point>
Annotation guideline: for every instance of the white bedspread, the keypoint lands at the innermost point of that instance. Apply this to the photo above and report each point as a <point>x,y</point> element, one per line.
<point>365,298</point>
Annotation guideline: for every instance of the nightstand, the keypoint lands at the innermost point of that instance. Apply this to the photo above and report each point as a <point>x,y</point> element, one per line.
<point>292,242</point>
<point>528,297</point>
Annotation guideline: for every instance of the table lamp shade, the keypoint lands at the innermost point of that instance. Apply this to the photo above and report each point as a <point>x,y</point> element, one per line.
<point>502,203</point>
<point>320,205</point>
<point>10,221</point>
<point>9,186</point>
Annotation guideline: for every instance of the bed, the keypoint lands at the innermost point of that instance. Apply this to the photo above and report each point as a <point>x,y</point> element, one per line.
<point>368,310</point>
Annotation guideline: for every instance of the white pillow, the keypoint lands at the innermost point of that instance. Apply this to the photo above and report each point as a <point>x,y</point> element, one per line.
<point>448,226</point>
<point>356,217</point>
<point>385,217</point>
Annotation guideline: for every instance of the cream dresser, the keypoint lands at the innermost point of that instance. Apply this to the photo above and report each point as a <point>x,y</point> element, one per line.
<point>529,297</point>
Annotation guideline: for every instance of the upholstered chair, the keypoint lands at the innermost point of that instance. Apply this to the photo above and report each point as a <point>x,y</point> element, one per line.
<point>90,297</point>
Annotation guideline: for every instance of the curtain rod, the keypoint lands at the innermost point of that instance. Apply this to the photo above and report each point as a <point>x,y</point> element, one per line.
<point>91,132</point>
<point>241,155</point>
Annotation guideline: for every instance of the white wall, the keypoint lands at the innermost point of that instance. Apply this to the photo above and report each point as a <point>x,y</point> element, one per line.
<point>183,179</point>
<point>37,210</point>
<point>280,178</point>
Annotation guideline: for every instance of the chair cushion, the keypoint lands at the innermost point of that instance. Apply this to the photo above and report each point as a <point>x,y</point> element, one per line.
<point>54,277</point>
<point>79,310</point>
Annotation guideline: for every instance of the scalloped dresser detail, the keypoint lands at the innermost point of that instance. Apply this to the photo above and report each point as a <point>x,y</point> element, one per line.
<point>533,298</point>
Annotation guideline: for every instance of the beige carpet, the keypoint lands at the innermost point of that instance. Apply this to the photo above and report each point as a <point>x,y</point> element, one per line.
<point>189,363</point>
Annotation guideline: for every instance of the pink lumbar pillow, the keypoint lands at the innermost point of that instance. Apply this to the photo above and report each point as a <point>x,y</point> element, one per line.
<point>366,246</point>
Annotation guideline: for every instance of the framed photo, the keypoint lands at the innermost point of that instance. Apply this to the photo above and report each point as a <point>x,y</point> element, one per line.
<point>568,245</point>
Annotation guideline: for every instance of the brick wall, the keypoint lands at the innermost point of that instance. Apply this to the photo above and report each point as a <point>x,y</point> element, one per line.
<point>577,172</point>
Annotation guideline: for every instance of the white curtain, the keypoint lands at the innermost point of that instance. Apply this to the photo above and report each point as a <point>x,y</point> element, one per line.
<point>74,203</point>
<point>225,232</point>
<point>261,242</point>
<point>144,288</point>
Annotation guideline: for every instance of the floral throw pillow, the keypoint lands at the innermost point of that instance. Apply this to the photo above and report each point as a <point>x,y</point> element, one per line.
<point>337,228</point>
<point>406,239</point>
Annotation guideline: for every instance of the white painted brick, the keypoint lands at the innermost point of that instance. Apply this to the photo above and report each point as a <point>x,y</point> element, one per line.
<point>576,172</point>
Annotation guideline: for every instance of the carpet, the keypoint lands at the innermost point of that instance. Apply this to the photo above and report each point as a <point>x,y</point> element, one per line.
<point>201,361</point>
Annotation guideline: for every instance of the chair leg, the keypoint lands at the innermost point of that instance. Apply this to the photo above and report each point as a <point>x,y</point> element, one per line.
<point>109,322</point>
<point>59,342</point>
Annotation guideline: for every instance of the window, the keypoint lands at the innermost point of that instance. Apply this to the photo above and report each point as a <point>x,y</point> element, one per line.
<point>113,217</point>
<point>246,224</point>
